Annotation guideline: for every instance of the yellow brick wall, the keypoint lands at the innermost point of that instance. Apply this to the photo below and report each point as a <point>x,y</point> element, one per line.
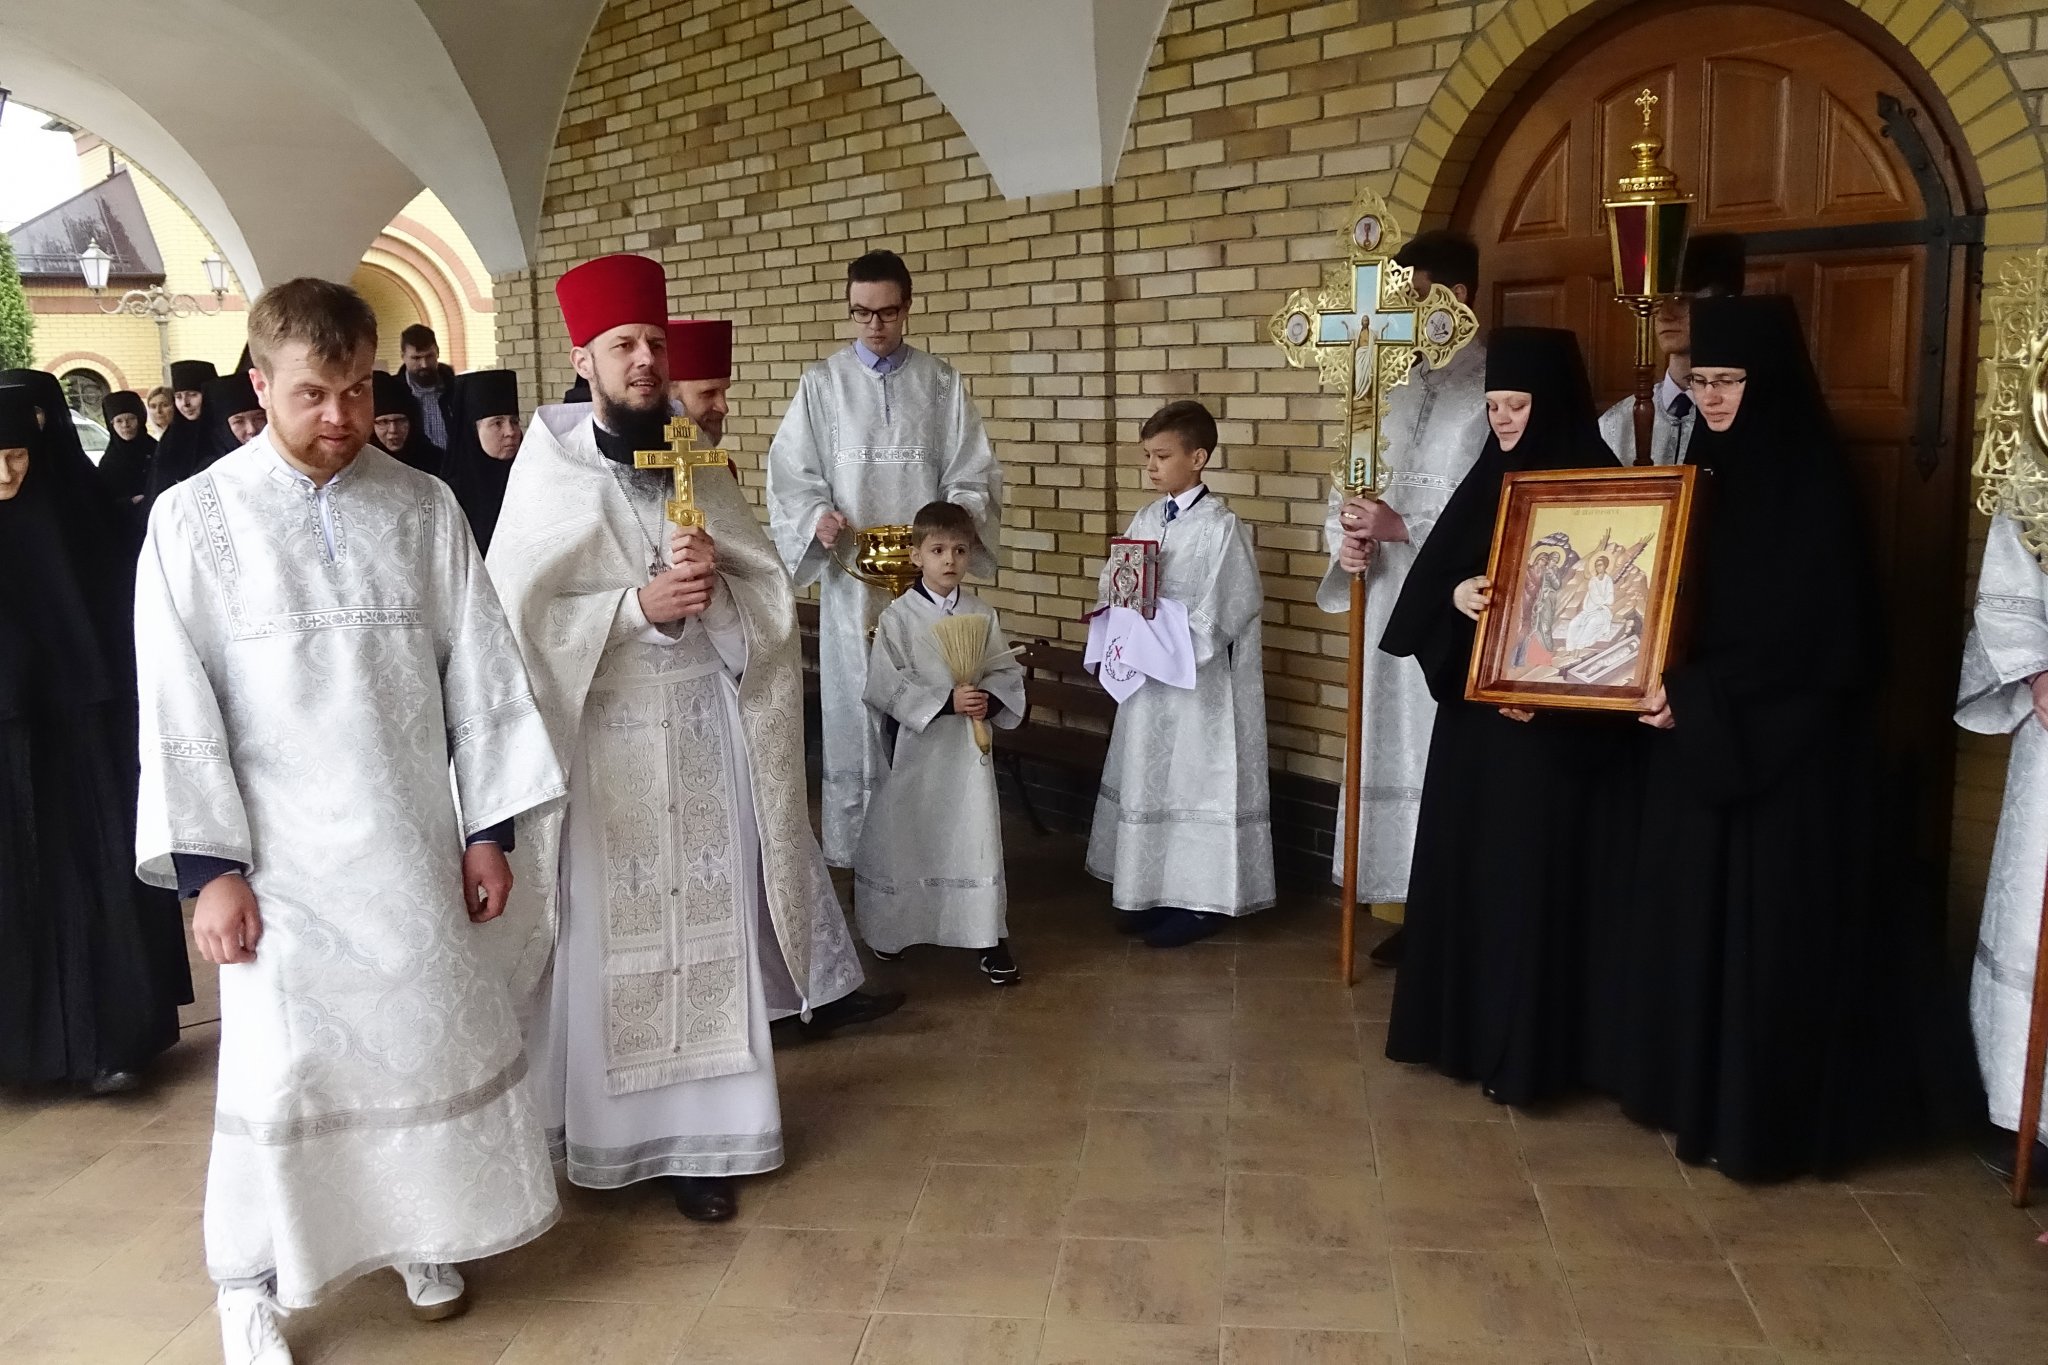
<point>755,146</point>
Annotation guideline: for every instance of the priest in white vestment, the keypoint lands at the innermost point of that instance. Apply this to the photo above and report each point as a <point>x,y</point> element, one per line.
<point>316,637</point>
<point>1435,426</point>
<point>876,430</point>
<point>681,902</point>
<point>2005,691</point>
<point>1714,267</point>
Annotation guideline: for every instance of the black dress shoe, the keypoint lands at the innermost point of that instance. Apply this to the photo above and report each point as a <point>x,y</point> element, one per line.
<point>857,1008</point>
<point>706,1198</point>
<point>1183,927</point>
<point>113,1083</point>
<point>1142,921</point>
<point>1387,952</point>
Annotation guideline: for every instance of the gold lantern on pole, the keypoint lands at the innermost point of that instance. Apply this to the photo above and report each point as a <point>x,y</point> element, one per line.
<point>1647,223</point>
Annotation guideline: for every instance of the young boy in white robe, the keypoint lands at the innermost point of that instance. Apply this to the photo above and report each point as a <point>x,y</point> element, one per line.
<point>1183,828</point>
<point>929,867</point>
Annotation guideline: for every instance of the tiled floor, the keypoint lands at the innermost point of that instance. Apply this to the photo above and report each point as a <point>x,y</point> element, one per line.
<point>1133,1158</point>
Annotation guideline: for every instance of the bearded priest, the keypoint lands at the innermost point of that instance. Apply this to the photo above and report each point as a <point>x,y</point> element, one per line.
<point>683,901</point>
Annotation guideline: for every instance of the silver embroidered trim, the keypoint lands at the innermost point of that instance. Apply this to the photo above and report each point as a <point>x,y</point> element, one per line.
<point>917,454</point>
<point>201,750</point>
<point>339,618</point>
<point>347,1120</point>
<point>207,850</point>
<point>609,1168</point>
<point>930,883</point>
<point>491,719</point>
<point>1255,815</point>
<point>2018,606</point>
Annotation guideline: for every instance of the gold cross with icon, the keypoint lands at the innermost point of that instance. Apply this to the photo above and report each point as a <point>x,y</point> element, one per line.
<point>684,460</point>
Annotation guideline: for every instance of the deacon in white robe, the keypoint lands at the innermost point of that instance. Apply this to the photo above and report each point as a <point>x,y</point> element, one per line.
<point>1435,427</point>
<point>1672,417</point>
<point>310,656</point>
<point>876,430</point>
<point>2006,652</point>
<point>1714,268</point>
<point>681,901</point>
<point>930,863</point>
<point>1184,815</point>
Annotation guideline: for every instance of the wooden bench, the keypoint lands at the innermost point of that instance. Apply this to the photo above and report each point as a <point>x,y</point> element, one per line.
<point>807,638</point>
<point>1055,680</point>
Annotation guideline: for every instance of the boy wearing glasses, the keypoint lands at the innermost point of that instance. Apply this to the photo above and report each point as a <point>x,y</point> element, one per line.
<point>1713,269</point>
<point>876,430</point>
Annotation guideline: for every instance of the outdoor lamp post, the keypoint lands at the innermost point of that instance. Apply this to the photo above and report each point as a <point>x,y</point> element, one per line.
<point>1647,220</point>
<point>155,302</point>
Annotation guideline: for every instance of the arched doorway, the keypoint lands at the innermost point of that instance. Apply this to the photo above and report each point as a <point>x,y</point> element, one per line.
<point>1818,148</point>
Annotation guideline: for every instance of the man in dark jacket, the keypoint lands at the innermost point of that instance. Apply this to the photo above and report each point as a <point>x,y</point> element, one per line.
<point>431,382</point>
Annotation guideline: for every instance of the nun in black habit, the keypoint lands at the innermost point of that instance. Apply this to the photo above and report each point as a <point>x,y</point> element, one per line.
<point>182,450</point>
<point>94,965</point>
<point>398,431</point>
<point>1754,997</point>
<point>231,416</point>
<point>483,438</point>
<point>124,468</point>
<point>1512,809</point>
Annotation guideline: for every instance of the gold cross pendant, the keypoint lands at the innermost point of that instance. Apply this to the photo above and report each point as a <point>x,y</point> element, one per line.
<point>683,460</point>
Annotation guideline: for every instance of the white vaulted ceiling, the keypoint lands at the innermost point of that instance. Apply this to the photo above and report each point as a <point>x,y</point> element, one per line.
<point>295,129</point>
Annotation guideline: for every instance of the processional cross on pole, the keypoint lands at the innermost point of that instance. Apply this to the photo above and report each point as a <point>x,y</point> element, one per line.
<point>682,459</point>
<point>1363,331</point>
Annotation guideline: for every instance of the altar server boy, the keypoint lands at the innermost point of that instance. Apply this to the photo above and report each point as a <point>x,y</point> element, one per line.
<point>929,867</point>
<point>1183,831</point>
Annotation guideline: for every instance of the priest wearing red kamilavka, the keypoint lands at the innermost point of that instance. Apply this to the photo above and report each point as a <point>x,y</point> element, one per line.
<point>681,902</point>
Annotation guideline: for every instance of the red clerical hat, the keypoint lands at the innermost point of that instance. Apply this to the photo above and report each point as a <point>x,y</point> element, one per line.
<point>612,291</point>
<point>699,348</point>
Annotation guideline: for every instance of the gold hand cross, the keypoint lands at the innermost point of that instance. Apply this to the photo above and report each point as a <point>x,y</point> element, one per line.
<point>684,460</point>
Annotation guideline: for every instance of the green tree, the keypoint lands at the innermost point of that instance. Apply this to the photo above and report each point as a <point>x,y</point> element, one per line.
<point>17,324</point>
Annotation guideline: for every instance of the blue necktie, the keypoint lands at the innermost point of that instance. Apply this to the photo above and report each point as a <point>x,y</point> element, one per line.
<point>1681,406</point>
<point>1172,510</point>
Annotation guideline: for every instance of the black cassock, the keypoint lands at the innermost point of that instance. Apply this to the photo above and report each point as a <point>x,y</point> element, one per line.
<point>1516,817</point>
<point>92,962</point>
<point>1750,992</point>
<point>124,466</point>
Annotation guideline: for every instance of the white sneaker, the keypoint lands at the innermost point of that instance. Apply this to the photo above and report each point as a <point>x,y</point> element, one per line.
<point>249,1334</point>
<point>436,1291</point>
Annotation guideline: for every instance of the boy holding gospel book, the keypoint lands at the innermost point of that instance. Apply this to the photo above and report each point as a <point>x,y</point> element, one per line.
<point>929,868</point>
<point>1183,829</point>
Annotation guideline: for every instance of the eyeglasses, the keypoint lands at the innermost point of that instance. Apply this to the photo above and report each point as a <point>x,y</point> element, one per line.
<point>1701,384</point>
<point>864,316</point>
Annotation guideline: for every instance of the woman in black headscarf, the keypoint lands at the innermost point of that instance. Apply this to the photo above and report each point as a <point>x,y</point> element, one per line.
<point>1755,1002</point>
<point>124,468</point>
<point>1490,988</point>
<point>483,438</point>
<point>94,965</point>
<point>184,448</point>
<point>397,430</point>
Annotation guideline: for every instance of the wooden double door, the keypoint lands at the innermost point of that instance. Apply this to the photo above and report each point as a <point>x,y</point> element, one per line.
<point>1795,134</point>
